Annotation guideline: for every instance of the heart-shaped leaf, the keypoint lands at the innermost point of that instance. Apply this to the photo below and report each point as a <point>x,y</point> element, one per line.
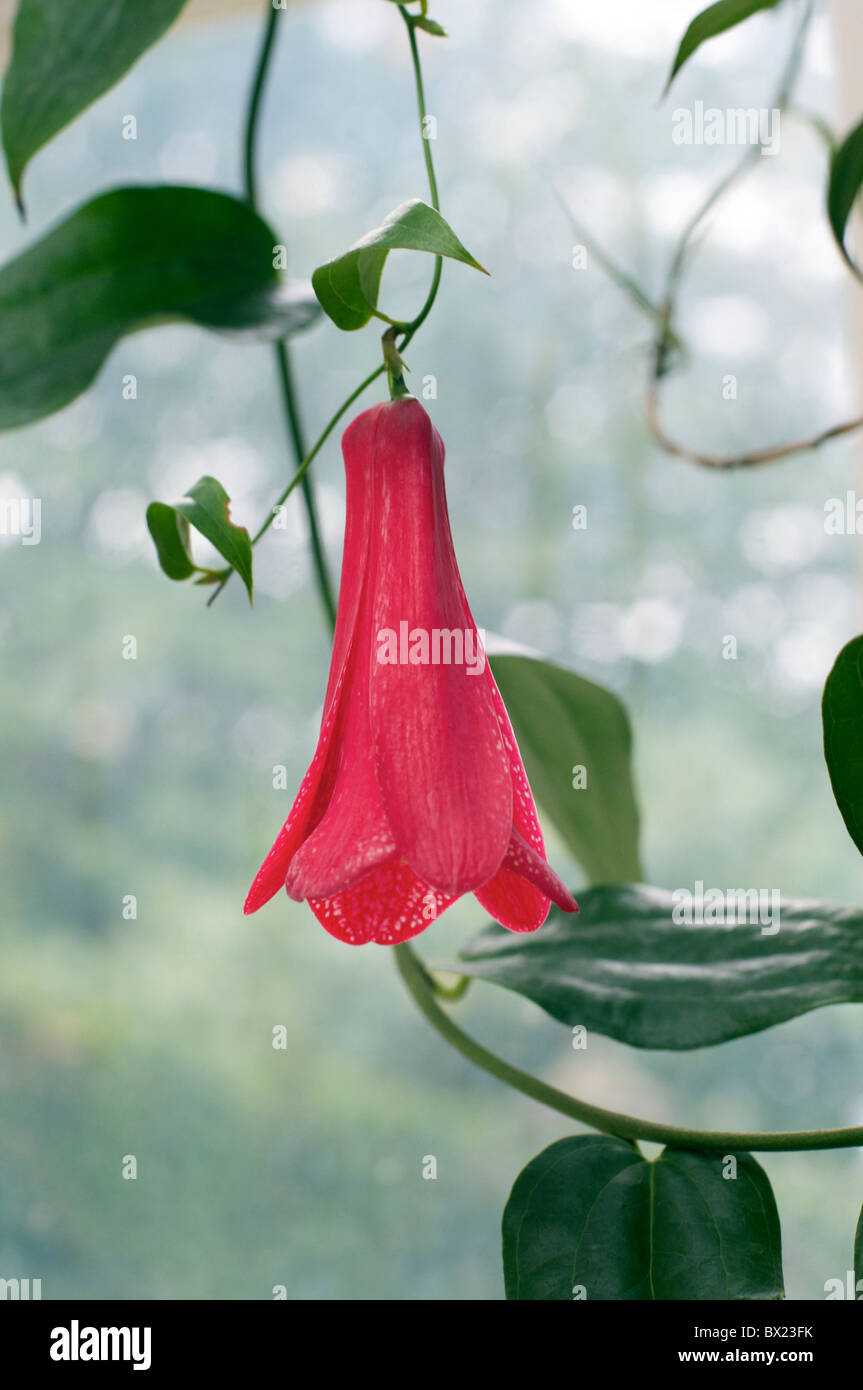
<point>206,506</point>
<point>348,286</point>
<point>589,1218</point>
<point>636,964</point>
<point>65,54</point>
<point>725,14</point>
<point>576,743</point>
<point>130,259</point>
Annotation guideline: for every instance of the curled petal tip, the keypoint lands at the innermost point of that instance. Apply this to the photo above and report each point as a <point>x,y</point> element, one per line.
<point>255,899</point>
<point>563,899</point>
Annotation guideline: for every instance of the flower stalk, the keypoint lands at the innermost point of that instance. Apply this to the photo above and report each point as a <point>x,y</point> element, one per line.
<point>281,350</point>
<point>395,367</point>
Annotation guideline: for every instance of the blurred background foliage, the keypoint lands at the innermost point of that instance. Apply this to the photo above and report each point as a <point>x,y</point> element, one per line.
<point>153,777</point>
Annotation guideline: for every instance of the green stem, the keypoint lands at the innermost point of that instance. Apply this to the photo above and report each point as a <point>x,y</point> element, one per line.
<point>395,367</point>
<point>432,180</point>
<point>281,351</point>
<point>317,446</point>
<point>302,459</point>
<point>254,107</point>
<point>421,986</point>
<point>305,459</point>
<point>427,307</point>
<point>421,106</point>
<point>300,474</point>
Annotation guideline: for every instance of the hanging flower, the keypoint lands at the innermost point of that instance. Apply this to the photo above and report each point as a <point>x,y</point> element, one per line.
<point>417,792</point>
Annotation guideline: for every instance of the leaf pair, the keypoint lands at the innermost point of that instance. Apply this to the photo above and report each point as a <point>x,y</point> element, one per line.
<point>590,1218</point>
<point>207,508</point>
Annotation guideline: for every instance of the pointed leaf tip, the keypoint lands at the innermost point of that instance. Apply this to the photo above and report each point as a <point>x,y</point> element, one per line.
<point>725,14</point>
<point>348,286</point>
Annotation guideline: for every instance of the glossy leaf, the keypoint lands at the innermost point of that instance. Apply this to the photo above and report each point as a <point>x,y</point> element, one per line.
<point>625,968</point>
<point>725,14</point>
<point>348,286</point>
<point>65,54</point>
<point>842,718</point>
<point>130,259</point>
<point>206,506</point>
<point>846,178</point>
<point>589,1218</point>
<point>562,722</point>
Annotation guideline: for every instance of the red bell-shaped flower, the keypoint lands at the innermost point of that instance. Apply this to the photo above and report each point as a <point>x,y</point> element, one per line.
<point>417,792</point>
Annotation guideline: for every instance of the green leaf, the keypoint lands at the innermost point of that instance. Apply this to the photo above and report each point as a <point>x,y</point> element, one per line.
<point>348,286</point>
<point>842,718</point>
<point>846,177</point>
<point>625,968</point>
<point>590,1218</point>
<point>170,532</point>
<point>726,14</point>
<point>562,722</point>
<point>65,54</point>
<point>132,258</point>
<point>206,506</point>
<point>430,26</point>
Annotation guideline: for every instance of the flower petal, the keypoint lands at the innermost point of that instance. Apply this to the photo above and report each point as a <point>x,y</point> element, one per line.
<point>524,816</point>
<point>518,895</point>
<point>357,447</point>
<point>319,782</point>
<point>511,899</point>
<point>308,808</point>
<point>439,755</point>
<point>353,836</point>
<point>387,906</point>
